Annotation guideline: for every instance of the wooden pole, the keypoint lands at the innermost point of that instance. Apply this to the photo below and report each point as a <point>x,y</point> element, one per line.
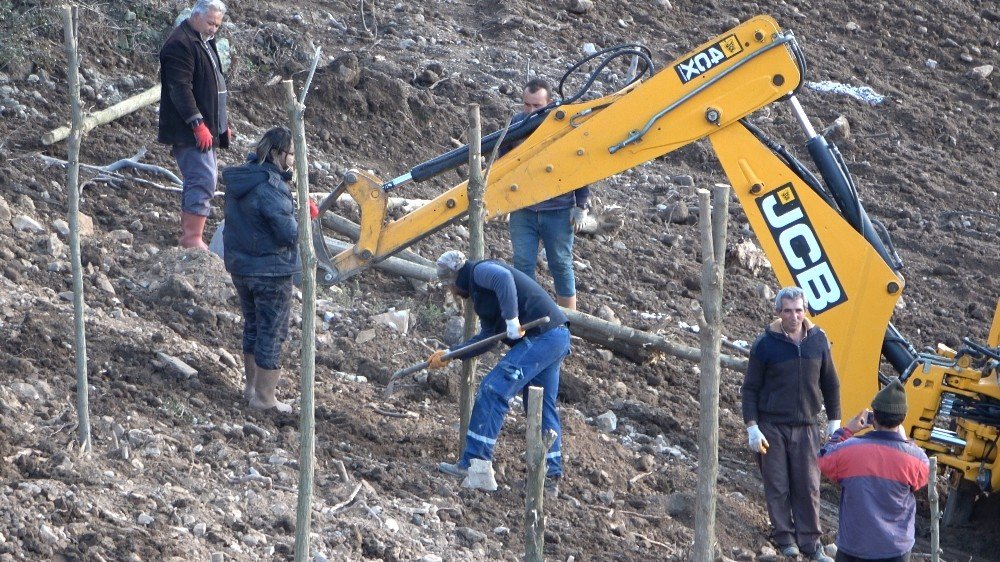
<point>477,212</point>
<point>107,115</point>
<point>73,187</point>
<point>534,501</point>
<point>932,497</point>
<point>713,243</point>
<point>307,415</point>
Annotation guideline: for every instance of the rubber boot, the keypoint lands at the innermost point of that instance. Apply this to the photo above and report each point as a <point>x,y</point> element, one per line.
<point>265,384</point>
<point>192,230</point>
<point>250,369</point>
<point>480,476</point>
<point>567,302</point>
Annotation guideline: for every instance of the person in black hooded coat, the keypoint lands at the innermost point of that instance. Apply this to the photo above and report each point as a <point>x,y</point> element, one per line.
<point>260,253</point>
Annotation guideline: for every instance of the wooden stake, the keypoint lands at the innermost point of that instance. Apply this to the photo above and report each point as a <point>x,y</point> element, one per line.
<point>307,414</point>
<point>534,502</point>
<point>477,212</point>
<point>72,184</point>
<point>713,243</point>
<point>932,497</point>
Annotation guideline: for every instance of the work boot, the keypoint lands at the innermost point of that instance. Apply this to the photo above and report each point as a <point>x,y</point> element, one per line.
<point>791,551</point>
<point>480,476</point>
<point>250,370</point>
<point>551,488</point>
<point>192,230</point>
<point>819,556</point>
<point>453,469</point>
<point>265,384</point>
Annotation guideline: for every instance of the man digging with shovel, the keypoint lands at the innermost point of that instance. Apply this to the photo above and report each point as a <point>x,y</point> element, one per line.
<point>503,298</point>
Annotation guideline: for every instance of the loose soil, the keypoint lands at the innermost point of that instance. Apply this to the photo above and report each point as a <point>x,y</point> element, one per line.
<point>181,469</point>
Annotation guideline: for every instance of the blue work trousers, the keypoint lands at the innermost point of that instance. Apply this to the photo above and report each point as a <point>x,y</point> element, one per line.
<point>266,303</point>
<point>555,231</point>
<point>200,174</point>
<point>533,361</point>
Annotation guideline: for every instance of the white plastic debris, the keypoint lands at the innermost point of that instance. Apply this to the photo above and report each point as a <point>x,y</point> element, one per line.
<point>860,93</point>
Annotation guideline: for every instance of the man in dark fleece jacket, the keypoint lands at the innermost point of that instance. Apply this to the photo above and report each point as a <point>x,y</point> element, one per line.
<point>790,376</point>
<point>504,298</point>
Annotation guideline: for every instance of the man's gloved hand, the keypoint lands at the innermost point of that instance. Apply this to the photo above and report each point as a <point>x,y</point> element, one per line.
<point>757,442</point>
<point>437,360</point>
<point>831,426</point>
<point>313,210</point>
<point>514,331</point>
<point>576,216</point>
<point>202,137</point>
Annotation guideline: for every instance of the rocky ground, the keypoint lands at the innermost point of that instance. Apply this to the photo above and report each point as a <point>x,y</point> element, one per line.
<point>180,469</point>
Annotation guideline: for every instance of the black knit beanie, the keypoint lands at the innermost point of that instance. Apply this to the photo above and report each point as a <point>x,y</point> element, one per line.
<point>891,399</point>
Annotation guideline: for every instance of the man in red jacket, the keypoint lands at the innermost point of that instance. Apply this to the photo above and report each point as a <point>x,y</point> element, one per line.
<point>878,473</point>
<point>193,117</point>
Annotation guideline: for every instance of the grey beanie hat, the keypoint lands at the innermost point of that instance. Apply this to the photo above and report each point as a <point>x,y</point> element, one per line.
<point>891,399</point>
<point>448,265</point>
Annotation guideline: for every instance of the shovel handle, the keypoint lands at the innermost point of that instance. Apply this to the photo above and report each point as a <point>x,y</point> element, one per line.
<point>478,345</point>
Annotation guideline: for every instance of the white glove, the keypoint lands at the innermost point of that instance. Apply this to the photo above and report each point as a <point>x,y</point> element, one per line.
<point>758,443</point>
<point>831,426</point>
<point>514,329</point>
<point>576,216</point>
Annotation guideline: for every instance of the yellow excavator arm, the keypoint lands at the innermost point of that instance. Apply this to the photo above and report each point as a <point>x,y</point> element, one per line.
<point>816,234</point>
<point>578,144</point>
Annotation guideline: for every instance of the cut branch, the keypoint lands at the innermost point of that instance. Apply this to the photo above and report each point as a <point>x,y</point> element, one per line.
<point>108,115</point>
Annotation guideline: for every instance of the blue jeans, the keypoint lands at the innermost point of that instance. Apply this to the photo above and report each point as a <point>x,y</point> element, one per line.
<point>554,230</point>
<point>200,174</point>
<point>535,361</point>
<point>265,303</point>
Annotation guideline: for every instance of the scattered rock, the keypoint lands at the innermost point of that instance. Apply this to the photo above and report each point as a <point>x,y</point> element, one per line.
<point>580,6</point>
<point>183,369</point>
<point>840,129</point>
<point>470,536</point>
<point>46,534</point>
<point>607,422</point>
<point>5,214</point>
<point>25,223</point>
<point>398,320</point>
<point>983,72</point>
<point>606,313</point>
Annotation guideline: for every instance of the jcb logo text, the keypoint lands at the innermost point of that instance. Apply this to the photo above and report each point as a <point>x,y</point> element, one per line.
<point>801,249</point>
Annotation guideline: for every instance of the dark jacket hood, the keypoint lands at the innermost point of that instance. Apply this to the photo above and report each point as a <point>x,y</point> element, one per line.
<point>241,180</point>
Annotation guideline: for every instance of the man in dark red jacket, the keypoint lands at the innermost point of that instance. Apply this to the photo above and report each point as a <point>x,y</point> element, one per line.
<point>878,473</point>
<point>790,376</point>
<point>193,117</point>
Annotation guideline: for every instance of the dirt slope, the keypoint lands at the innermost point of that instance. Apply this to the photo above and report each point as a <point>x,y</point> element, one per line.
<point>180,469</point>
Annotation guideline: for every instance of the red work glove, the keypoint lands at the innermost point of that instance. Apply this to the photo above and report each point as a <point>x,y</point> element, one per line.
<point>313,210</point>
<point>202,137</point>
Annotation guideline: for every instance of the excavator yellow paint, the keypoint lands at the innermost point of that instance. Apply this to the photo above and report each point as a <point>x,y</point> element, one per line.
<point>845,280</point>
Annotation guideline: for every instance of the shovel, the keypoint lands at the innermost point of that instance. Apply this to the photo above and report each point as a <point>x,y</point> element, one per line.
<point>478,345</point>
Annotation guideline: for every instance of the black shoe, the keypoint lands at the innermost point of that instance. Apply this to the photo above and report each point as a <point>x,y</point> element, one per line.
<point>552,486</point>
<point>453,469</point>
